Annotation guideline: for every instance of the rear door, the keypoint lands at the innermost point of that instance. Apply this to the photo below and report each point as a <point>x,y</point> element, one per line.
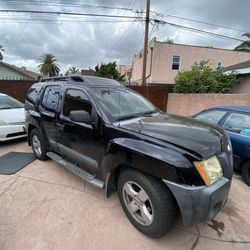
<point>49,107</point>
<point>237,125</point>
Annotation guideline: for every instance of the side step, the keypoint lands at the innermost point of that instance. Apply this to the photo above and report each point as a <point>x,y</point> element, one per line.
<point>76,170</point>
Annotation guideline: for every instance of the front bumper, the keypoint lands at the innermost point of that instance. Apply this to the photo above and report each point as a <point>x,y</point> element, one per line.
<point>10,132</point>
<point>199,204</point>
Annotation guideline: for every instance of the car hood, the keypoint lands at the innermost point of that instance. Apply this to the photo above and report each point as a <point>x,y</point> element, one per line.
<point>196,136</point>
<point>12,115</point>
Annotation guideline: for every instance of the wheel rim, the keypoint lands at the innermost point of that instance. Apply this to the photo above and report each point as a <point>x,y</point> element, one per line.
<point>36,145</point>
<point>138,203</point>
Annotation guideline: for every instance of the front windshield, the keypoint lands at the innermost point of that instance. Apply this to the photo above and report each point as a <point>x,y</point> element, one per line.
<point>7,102</point>
<point>120,104</point>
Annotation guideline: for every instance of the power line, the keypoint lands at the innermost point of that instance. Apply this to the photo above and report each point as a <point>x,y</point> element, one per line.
<point>68,4</point>
<point>197,30</point>
<point>68,13</point>
<point>207,23</point>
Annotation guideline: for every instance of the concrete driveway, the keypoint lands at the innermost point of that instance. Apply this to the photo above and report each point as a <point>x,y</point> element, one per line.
<point>44,206</point>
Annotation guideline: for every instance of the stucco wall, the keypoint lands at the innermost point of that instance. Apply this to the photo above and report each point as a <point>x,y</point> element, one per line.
<point>244,86</point>
<point>161,69</point>
<point>190,104</point>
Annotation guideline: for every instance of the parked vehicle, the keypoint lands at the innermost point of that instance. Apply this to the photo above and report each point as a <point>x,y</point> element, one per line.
<point>115,139</point>
<point>236,121</point>
<point>11,118</point>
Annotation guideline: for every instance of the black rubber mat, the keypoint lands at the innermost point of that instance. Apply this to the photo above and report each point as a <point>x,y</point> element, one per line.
<point>12,162</point>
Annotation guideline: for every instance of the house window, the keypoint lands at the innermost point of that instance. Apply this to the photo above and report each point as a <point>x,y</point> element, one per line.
<point>176,62</point>
<point>219,64</point>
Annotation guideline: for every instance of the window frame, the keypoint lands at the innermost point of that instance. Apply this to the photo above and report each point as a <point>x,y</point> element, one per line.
<point>42,96</point>
<point>220,121</point>
<point>220,65</point>
<point>228,117</point>
<point>176,55</point>
<point>63,100</point>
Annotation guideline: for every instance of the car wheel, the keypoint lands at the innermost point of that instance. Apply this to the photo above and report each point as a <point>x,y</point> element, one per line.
<point>38,145</point>
<point>246,173</point>
<point>147,202</point>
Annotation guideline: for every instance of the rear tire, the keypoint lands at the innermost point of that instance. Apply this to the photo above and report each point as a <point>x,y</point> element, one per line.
<point>38,145</point>
<point>246,172</point>
<point>147,202</point>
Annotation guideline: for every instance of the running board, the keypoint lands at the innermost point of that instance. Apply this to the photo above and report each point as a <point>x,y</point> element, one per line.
<point>76,170</point>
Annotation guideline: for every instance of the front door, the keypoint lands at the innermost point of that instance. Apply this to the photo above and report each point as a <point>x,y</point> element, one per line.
<point>80,143</point>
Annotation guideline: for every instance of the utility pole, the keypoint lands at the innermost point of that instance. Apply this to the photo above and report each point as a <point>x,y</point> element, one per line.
<point>145,51</point>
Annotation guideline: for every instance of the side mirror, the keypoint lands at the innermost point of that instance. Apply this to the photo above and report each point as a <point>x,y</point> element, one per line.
<point>80,116</point>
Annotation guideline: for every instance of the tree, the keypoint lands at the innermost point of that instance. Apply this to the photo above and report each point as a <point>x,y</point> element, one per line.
<point>109,71</point>
<point>1,50</point>
<point>72,70</point>
<point>244,46</point>
<point>48,66</point>
<point>203,79</point>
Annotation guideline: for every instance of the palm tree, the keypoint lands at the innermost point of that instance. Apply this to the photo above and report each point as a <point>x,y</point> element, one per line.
<point>245,46</point>
<point>72,70</point>
<point>1,49</point>
<point>48,66</point>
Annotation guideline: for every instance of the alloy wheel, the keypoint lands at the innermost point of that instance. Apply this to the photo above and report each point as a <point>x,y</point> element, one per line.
<point>138,203</point>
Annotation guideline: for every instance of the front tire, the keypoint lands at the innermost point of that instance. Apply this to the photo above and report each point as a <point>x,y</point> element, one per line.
<point>147,202</point>
<point>246,172</point>
<point>38,145</point>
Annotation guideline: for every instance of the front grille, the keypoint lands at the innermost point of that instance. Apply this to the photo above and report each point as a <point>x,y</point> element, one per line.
<point>15,134</point>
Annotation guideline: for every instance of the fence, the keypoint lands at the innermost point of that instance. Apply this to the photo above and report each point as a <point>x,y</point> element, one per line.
<point>16,89</point>
<point>158,95</point>
<point>190,104</point>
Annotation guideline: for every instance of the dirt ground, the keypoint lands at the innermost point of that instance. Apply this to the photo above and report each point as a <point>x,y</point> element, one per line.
<point>44,206</point>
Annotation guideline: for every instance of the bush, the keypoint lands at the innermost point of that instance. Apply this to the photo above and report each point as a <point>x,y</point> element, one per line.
<point>203,79</point>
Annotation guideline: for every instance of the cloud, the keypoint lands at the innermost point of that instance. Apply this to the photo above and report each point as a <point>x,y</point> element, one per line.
<point>85,42</point>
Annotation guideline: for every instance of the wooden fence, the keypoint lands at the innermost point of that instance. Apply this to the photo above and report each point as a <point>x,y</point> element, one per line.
<point>158,95</point>
<point>16,89</point>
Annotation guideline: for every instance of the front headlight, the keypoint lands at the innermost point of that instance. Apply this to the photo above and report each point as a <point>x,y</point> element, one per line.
<point>210,170</point>
<point>3,123</point>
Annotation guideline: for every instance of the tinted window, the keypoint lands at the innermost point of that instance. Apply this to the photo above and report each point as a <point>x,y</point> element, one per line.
<point>33,93</point>
<point>238,123</point>
<point>76,100</point>
<point>51,98</point>
<point>212,116</point>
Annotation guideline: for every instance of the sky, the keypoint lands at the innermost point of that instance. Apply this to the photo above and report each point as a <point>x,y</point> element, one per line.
<point>84,42</point>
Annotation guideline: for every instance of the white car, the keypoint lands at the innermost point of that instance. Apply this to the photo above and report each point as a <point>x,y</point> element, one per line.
<point>11,118</point>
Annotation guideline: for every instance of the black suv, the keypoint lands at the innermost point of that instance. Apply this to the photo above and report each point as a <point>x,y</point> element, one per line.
<point>115,139</point>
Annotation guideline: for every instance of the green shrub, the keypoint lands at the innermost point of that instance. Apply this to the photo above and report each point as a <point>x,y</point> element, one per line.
<point>203,79</point>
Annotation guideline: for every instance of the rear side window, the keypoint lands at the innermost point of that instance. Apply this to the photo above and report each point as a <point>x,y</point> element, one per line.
<point>33,93</point>
<point>50,99</point>
<point>238,123</point>
<point>75,100</point>
<point>212,116</point>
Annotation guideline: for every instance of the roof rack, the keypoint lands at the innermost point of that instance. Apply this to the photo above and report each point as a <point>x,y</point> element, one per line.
<point>74,78</point>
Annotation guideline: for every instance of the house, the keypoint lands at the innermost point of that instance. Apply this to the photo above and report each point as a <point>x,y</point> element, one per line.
<point>11,72</point>
<point>243,70</point>
<point>126,71</point>
<point>15,81</point>
<point>165,59</point>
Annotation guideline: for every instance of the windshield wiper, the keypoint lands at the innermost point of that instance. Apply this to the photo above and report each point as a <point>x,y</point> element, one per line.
<point>6,108</point>
<point>127,117</point>
<point>149,113</point>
